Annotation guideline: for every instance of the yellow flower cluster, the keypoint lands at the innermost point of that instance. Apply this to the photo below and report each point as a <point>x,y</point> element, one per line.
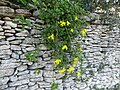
<point>78,74</point>
<point>72,30</point>
<point>80,49</point>
<point>76,18</point>
<point>68,23</point>
<point>84,31</point>
<point>76,61</point>
<point>63,23</point>
<point>62,70</point>
<point>65,47</point>
<point>71,69</point>
<point>51,37</point>
<point>57,61</point>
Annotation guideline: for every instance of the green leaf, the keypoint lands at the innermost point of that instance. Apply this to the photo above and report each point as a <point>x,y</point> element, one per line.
<point>54,86</point>
<point>28,22</point>
<point>23,28</point>
<point>37,71</point>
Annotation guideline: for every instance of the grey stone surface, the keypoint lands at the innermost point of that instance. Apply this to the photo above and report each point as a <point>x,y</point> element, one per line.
<point>6,27</point>
<point>1,22</point>
<point>22,12</point>
<point>22,34</point>
<point>11,38</point>
<point>22,68</point>
<point>2,37</point>
<point>4,80</point>
<point>6,72</point>
<point>20,82</point>
<point>11,24</point>
<point>4,52</point>
<point>23,87</point>
<point>16,42</point>
<point>101,51</point>
<point>10,31</point>
<point>15,47</point>
<point>6,11</point>
<point>4,47</point>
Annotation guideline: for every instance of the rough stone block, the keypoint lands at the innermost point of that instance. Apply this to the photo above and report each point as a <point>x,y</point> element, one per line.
<point>6,72</point>
<point>6,11</point>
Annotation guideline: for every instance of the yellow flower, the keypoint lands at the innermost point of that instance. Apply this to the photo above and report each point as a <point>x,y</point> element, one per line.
<point>62,23</point>
<point>62,71</point>
<point>84,31</point>
<point>76,18</point>
<point>51,37</point>
<point>57,61</point>
<point>72,30</point>
<point>65,47</point>
<point>78,74</point>
<point>76,60</point>
<point>68,23</point>
<point>71,69</point>
<point>80,49</point>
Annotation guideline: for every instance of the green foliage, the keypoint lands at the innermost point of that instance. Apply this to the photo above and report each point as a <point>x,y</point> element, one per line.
<point>91,5</point>
<point>63,23</point>
<point>54,86</point>
<point>37,71</point>
<point>32,56</point>
<point>23,21</point>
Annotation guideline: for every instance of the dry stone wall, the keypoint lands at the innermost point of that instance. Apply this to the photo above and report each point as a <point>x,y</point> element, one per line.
<point>101,51</point>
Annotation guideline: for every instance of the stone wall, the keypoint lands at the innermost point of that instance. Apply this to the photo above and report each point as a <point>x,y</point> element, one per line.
<point>101,51</point>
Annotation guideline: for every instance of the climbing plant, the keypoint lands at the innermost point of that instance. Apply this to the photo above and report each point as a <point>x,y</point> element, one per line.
<point>64,22</point>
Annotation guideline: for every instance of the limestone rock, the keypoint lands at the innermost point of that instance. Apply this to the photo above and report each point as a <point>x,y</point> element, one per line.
<point>16,42</point>
<point>2,3</point>
<point>8,34</point>
<point>48,74</point>
<point>34,87</point>
<point>1,29</point>
<point>7,27</point>
<point>4,43</point>
<point>23,72</point>
<point>22,12</point>
<point>21,82</point>
<point>15,47</point>
<point>42,47</point>
<point>6,11</point>
<point>7,19</point>
<point>2,37</point>
<point>9,23</point>
<point>11,38</point>
<point>10,65</point>
<point>44,85</point>
<point>4,80</point>
<point>5,52</point>
<point>13,78</point>
<point>14,6</point>
<point>2,87</point>
<point>22,87</point>
<point>37,65</point>
<point>22,34</point>
<point>6,72</point>
<point>10,31</point>
<point>2,33</point>
<point>4,47</point>
<point>14,55</point>
<point>22,68</point>
<point>30,48</point>
<point>1,22</point>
